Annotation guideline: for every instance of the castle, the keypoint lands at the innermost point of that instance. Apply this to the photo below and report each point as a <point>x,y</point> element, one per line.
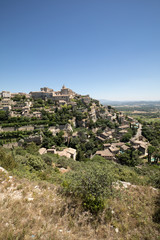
<point>64,94</point>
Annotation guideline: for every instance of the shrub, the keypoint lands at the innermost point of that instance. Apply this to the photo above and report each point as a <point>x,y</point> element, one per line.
<point>32,148</point>
<point>155,179</point>
<point>156,216</point>
<point>92,184</point>
<point>62,162</point>
<point>35,162</point>
<point>6,160</point>
<point>47,159</point>
<point>20,151</point>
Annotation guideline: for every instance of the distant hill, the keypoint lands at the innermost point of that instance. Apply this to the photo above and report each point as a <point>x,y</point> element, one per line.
<point>129,103</point>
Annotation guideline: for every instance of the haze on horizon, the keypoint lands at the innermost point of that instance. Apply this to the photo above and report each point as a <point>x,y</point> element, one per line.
<point>108,49</point>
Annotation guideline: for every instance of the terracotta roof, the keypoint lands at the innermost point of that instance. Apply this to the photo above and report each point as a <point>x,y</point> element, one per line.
<point>124,126</point>
<point>105,153</point>
<point>63,153</point>
<point>70,150</point>
<point>124,147</point>
<point>100,138</point>
<point>113,149</point>
<point>107,145</point>
<point>66,152</point>
<point>118,144</point>
<point>141,143</point>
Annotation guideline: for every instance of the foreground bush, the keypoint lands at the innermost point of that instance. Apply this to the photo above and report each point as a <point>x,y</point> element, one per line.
<point>34,162</point>
<point>92,184</point>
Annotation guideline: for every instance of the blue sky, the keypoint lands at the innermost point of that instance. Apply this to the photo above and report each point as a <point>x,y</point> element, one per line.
<point>109,49</point>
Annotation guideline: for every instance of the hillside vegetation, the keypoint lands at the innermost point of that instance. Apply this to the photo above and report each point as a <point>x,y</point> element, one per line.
<point>97,199</point>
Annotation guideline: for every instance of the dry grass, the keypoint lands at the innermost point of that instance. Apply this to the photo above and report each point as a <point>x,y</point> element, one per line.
<point>30,210</point>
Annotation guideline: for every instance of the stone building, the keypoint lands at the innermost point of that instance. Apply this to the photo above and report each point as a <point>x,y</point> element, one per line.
<point>65,94</point>
<point>5,94</point>
<point>106,154</point>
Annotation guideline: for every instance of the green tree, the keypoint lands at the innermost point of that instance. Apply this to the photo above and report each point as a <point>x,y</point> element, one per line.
<point>129,158</point>
<point>127,136</point>
<point>151,150</point>
<point>3,115</point>
<point>80,156</point>
<point>157,155</point>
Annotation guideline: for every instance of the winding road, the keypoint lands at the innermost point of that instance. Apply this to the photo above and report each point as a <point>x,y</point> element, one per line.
<point>138,134</point>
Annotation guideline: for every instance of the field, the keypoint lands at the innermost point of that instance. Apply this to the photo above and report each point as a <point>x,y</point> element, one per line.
<point>144,112</point>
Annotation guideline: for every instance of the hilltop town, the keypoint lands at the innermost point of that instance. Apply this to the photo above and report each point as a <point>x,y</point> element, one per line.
<point>71,168</point>
<point>79,120</point>
<point>69,124</point>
